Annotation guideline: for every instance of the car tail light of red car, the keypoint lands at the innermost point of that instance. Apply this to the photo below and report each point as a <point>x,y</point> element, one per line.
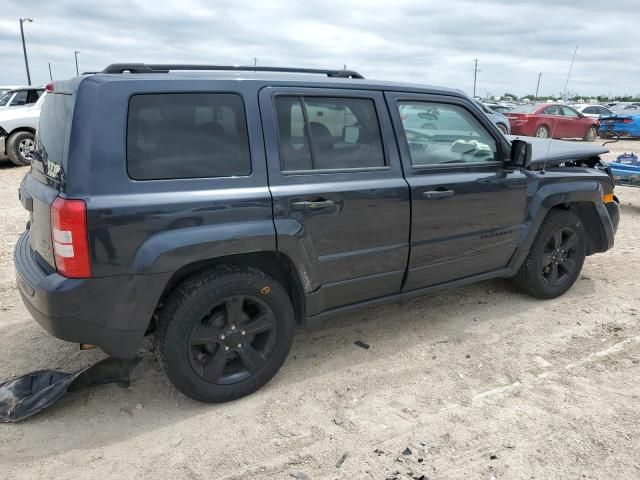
<point>69,233</point>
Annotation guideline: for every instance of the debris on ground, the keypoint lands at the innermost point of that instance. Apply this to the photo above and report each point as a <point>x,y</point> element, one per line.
<point>361,344</point>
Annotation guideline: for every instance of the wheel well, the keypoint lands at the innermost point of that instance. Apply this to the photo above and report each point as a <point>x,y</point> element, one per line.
<point>22,129</point>
<point>274,264</point>
<point>596,237</point>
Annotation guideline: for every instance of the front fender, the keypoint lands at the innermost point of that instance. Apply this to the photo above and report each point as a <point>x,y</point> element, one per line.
<point>171,250</point>
<point>553,195</point>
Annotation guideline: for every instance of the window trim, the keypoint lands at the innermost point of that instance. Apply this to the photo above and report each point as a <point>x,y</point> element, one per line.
<point>187,92</point>
<point>338,94</point>
<point>447,166</point>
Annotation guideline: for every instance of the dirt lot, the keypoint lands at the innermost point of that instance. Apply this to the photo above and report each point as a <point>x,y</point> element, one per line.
<point>480,382</point>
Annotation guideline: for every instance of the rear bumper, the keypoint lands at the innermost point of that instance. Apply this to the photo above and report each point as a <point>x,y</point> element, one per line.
<point>620,129</point>
<point>110,312</point>
<point>613,211</point>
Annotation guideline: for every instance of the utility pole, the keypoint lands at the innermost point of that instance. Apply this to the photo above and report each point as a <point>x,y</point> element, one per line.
<point>50,75</point>
<point>24,47</point>
<point>538,86</point>
<point>475,76</point>
<point>255,61</point>
<point>76,52</point>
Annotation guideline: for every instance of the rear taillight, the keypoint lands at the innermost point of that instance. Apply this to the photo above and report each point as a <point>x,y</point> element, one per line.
<point>627,120</point>
<point>69,233</point>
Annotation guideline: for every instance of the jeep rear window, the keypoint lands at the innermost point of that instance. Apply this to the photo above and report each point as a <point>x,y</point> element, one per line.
<point>187,135</point>
<point>52,137</point>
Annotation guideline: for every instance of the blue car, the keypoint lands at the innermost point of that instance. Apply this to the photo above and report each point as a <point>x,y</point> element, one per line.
<point>624,121</point>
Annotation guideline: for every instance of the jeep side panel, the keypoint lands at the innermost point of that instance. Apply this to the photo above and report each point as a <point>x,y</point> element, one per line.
<point>467,210</point>
<point>346,227</point>
<point>153,226</point>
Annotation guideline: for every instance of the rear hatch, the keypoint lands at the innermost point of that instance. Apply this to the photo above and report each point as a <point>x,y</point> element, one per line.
<point>47,176</point>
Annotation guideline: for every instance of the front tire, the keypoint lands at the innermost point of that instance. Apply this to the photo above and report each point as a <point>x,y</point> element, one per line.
<point>225,333</point>
<point>556,256</point>
<point>18,147</point>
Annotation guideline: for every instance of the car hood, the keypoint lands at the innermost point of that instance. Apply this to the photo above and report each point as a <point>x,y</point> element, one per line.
<point>556,152</point>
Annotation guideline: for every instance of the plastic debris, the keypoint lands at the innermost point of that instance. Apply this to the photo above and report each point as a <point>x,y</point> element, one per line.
<point>361,344</point>
<point>25,396</point>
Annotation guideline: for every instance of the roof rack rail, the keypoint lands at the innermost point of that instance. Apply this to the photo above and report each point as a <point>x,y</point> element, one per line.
<point>166,68</point>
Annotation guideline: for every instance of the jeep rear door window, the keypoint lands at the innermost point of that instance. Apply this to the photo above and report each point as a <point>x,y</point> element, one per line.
<point>441,133</point>
<point>187,135</point>
<point>324,133</point>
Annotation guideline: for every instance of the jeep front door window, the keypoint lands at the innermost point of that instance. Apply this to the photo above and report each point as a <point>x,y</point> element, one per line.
<point>441,133</point>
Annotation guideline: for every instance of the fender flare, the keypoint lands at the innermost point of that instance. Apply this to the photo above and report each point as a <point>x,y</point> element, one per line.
<point>554,195</point>
<point>171,250</point>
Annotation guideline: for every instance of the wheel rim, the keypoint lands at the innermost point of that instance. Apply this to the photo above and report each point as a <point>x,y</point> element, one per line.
<point>25,146</point>
<point>559,257</point>
<point>233,340</point>
<point>541,132</point>
<point>591,134</point>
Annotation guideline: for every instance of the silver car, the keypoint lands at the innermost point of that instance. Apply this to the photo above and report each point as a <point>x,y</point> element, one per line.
<point>21,96</point>
<point>501,121</point>
<point>592,110</point>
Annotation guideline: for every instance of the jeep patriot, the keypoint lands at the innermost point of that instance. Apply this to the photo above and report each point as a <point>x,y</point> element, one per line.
<point>219,207</point>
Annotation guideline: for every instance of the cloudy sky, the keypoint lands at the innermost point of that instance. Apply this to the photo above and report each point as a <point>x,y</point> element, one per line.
<point>423,41</point>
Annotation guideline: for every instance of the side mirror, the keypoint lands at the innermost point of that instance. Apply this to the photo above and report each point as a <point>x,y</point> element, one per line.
<point>520,153</point>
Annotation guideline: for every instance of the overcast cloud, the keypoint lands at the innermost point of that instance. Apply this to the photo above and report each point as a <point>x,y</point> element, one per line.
<point>423,41</point>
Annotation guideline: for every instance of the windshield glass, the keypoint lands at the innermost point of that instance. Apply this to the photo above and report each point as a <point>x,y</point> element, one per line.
<point>525,109</point>
<point>53,133</point>
<point>4,98</point>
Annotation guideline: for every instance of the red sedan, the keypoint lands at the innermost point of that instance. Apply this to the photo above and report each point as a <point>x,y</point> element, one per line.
<point>546,120</point>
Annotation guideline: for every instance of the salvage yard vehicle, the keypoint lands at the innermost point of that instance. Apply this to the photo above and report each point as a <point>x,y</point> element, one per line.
<point>222,206</point>
<point>19,97</point>
<point>624,121</point>
<point>545,120</point>
<point>17,132</point>
<point>592,110</point>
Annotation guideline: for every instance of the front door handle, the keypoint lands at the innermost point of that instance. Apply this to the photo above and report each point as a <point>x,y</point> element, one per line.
<point>435,194</point>
<point>306,205</point>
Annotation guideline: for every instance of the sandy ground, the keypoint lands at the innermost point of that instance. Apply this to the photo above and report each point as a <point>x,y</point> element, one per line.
<point>481,382</point>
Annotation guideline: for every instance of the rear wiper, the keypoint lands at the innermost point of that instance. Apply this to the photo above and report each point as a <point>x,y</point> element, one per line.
<point>34,155</point>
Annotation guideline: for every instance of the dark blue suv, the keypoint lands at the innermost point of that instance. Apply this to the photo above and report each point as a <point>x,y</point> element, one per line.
<point>220,206</point>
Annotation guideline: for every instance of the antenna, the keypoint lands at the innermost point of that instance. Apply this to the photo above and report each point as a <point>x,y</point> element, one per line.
<point>564,95</point>
<point>475,76</point>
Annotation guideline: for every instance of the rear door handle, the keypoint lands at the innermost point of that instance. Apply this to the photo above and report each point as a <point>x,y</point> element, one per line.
<point>306,205</point>
<point>435,194</point>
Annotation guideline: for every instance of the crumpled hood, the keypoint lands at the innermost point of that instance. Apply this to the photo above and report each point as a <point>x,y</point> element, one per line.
<point>559,151</point>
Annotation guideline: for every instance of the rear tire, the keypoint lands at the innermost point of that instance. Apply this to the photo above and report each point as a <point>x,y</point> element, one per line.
<point>556,256</point>
<point>541,132</point>
<point>591,134</point>
<point>224,333</point>
<point>18,146</point>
